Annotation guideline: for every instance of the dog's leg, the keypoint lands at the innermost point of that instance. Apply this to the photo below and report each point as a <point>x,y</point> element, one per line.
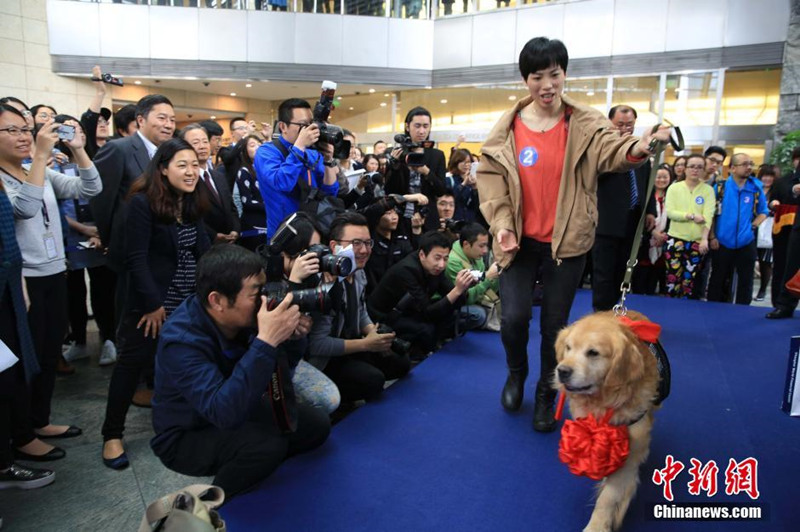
<point>617,490</point>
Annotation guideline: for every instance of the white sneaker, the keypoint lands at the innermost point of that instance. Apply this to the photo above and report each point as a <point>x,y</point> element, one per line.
<point>108,354</point>
<point>75,352</point>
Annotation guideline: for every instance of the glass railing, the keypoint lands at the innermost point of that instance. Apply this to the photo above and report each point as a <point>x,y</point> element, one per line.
<point>413,9</point>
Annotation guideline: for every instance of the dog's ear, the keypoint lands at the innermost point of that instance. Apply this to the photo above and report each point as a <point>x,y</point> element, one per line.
<point>627,365</point>
<point>561,343</point>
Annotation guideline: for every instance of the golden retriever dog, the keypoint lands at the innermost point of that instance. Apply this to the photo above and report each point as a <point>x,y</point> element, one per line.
<point>601,365</point>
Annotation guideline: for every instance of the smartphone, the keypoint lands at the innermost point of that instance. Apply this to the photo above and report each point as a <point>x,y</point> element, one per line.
<point>66,132</point>
<point>473,169</point>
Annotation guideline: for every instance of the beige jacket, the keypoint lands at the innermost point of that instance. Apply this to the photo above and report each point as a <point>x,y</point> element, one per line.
<point>592,148</point>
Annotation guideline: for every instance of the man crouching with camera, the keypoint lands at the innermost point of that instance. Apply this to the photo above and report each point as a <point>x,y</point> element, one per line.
<point>222,361</point>
<point>356,354</point>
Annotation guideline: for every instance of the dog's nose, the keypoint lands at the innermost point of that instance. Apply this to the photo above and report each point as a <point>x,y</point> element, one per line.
<point>564,373</point>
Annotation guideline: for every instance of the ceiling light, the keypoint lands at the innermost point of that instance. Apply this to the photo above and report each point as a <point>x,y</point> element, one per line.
<point>233,94</point>
<point>442,101</point>
<point>351,108</point>
<point>248,85</point>
<point>212,117</point>
<point>385,94</point>
<point>383,104</point>
<point>372,91</point>
<point>137,82</point>
<point>429,87</point>
<point>590,93</point>
<point>512,97</point>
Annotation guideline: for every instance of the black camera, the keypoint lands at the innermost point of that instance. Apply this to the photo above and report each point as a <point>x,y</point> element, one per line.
<point>108,78</point>
<point>328,262</point>
<point>315,299</point>
<point>328,133</point>
<point>454,226</point>
<point>399,346</point>
<point>412,159</point>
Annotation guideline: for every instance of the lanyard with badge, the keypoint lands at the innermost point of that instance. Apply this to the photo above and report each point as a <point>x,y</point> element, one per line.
<point>48,237</point>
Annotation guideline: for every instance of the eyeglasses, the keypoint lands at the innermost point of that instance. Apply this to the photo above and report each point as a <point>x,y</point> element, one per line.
<point>715,160</point>
<point>15,131</point>
<point>357,243</point>
<point>695,167</point>
<point>43,115</point>
<point>299,124</point>
<point>749,163</point>
<point>445,204</point>
<point>240,128</point>
<point>102,122</point>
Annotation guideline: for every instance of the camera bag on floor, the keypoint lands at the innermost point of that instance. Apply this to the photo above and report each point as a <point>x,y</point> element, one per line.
<point>192,509</point>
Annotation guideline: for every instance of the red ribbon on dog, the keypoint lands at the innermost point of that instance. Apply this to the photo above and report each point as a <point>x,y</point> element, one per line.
<point>593,448</point>
<point>646,331</point>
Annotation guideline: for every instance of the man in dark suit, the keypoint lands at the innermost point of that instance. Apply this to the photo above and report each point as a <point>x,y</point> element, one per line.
<point>119,163</point>
<point>222,220</point>
<point>620,200</point>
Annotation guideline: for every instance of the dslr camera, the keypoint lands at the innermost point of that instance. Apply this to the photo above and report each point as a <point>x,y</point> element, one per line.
<point>315,299</point>
<point>411,159</point>
<point>328,133</point>
<point>454,226</point>
<point>328,262</point>
<point>399,346</point>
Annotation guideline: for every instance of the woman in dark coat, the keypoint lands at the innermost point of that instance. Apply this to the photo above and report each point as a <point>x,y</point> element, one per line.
<point>165,238</point>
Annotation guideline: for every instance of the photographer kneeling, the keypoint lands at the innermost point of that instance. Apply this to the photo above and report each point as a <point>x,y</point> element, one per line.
<point>405,298</point>
<point>210,410</point>
<point>358,355</point>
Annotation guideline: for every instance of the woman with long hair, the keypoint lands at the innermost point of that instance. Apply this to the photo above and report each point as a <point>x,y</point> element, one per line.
<point>165,238</point>
<point>253,212</point>
<point>34,191</point>
<point>651,270</point>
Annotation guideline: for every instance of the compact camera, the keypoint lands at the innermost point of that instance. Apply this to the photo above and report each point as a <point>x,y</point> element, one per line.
<point>478,275</point>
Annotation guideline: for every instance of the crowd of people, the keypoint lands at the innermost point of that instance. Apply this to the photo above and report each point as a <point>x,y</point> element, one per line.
<point>248,293</point>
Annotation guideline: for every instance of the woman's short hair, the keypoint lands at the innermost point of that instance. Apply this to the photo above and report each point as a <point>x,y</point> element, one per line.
<point>541,53</point>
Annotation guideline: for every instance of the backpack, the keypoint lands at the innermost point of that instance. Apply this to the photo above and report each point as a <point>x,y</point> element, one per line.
<point>313,201</point>
<point>720,188</point>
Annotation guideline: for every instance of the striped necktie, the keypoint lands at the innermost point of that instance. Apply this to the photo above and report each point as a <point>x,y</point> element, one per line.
<point>634,190</point>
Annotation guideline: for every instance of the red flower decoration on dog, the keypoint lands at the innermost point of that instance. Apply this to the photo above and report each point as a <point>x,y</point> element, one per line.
<point>593,448</point>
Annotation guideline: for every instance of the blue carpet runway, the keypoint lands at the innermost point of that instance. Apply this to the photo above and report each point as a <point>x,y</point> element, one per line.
<point>438,452</point>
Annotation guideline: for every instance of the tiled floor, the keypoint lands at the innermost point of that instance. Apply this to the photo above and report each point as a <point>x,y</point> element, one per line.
<point>86,495</point>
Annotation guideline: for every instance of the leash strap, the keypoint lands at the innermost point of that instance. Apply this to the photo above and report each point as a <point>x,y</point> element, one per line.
<point>656,148</point>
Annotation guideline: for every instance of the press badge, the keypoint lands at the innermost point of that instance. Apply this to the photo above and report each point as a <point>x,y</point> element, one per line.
<point>50,245</point>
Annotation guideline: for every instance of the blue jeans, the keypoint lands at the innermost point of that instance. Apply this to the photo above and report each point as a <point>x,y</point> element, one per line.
<point>560,282</point>
<point>471,317</point>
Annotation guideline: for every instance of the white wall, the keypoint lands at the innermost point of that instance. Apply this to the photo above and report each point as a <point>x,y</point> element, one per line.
<point>594,28</point>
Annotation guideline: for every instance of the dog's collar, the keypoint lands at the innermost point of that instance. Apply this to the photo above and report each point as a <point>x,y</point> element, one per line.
<point>609,413</point>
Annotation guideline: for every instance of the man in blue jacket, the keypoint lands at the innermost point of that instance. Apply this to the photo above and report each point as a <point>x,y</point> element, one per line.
<point>742,207</point>
<point>211,413</point>
<point>281,164</point>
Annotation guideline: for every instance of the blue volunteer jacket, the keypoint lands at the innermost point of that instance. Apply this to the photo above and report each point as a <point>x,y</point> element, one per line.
<point>277,177</point>
<point>733,226</point>
<point>203,378</point>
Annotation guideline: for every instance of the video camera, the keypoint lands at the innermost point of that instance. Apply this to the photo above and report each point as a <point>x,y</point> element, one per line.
<point>108,78</point>
<point>328,133</point>
<point>412,159</point>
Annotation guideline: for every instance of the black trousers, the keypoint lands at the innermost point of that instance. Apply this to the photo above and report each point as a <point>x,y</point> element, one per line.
<point>15,421</point>
<point>423,335</point>
<point>725,262</point>
<point>242,457</point>
<point>47,318</point>
<point>560,283</point>
<point>362,375</point>
<point>102,290</point>
<point>135,354</point>
<point>610,256</point>
<point>780,250</point>
<point>785,300</point>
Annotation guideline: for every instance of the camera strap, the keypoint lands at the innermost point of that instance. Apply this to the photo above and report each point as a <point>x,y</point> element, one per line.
<point>280,397</point>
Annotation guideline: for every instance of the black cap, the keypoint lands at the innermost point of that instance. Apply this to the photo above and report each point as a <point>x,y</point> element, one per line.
<point>105,112</point>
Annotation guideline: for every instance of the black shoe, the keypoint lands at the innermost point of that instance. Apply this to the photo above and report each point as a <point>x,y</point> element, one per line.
<point>56,453</point>
<point>71,432</point>
<point>118,463</point>
<point>514,389</point>
<point>544,411</point>
<point>779,314</point>
<point>26,478</point>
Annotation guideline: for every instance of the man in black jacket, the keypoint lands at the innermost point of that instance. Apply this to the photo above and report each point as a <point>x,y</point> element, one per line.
<point>404,298</point>
<point>783,203</point>
<point>222,220</point>
<point>427,179</point>
<point>620,200</point>
<point>119,163</point>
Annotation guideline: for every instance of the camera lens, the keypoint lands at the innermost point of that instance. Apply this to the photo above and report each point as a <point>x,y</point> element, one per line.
<point>335,265</point>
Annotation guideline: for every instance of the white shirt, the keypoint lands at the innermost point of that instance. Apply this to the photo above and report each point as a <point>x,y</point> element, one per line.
<point>151,148</point>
